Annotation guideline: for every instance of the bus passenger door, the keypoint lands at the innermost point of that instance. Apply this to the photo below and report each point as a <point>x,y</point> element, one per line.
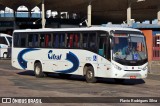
<point>104,52</point>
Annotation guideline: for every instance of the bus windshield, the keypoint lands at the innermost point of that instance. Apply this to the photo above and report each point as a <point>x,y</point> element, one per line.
<point>129,48</point>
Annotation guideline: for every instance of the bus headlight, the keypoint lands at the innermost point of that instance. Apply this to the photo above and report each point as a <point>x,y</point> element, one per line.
<point>117,67</point>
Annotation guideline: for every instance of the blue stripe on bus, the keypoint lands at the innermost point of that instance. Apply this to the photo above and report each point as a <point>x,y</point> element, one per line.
<point>70,57</point>
<point>21,61</point>
<point>74,60</point>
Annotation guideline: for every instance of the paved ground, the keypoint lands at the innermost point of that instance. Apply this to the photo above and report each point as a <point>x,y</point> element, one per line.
<point>19,83</point>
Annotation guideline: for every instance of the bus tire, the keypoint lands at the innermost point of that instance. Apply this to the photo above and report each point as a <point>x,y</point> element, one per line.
<point>90,78</point>
<point>46,74</point>
<point>65,76</point>
<point>38,70</point>
<point>119,81</point>
<point>5,55</point>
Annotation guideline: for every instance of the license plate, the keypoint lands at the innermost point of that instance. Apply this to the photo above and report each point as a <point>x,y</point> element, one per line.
<point>132,77</point>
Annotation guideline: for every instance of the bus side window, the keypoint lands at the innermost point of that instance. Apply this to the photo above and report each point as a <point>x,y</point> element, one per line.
<point>66,40</point>
<point>69,40</point>
<point>48,40</point>
<point>16,40</point>
<point>35,40</point>
<point>42,40</point>
<point>76,41</point>
<point>3,40</point>
<point>62,40</point>
<point>22,38</point>
<point>53,40</point>
<point>32,40</point>
<point>29,40</point>
<point>81,41</point>
<point>56,41</point>
<point>85,41</point>
<point>92,42</point>
<point>102,45</point>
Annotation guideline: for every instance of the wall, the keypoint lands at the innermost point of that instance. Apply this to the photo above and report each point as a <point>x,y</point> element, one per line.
<point>149,41</point>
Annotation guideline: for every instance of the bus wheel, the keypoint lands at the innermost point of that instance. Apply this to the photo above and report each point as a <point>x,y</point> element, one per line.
<point>65,76</point>
<point>38,70</point>
<point>90,75</point>
<point>119,81</point>
<point>46,74</point>
<point>5,55</point>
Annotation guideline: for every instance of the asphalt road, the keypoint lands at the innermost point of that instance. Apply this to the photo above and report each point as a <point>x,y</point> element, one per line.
<point>20,83</point>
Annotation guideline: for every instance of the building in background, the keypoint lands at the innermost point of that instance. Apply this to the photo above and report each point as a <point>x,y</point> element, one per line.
<point>70,13</point>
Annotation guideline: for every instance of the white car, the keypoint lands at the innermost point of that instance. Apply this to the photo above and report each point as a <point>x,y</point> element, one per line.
<point>5,45</point>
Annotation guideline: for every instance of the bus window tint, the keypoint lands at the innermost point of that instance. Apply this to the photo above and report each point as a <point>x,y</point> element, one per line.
<point>23,40</point>
<point>85,41</point>
<point>102,45</point>
<point>33,40</point>
<point>3,40</point>
<point>56,40</point>
<point>61,40</point>
<point>16,40</point>
<point>20,40</point>
<point>42,41</point>
<point>76,41</point>
<point>92,42</point>
<point>45,40</point>
<point>69,40</point>
<point>53,40</point>
<point>48,42</point>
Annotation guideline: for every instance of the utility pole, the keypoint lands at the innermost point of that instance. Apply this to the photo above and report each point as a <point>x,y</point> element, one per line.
<point>43,15</point>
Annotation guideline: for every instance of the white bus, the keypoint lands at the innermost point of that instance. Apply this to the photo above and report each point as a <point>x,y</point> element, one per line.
<point>5,45</point>
<point>118,53</point>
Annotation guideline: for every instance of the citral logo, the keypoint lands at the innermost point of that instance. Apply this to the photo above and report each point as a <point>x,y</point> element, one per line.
<point>54,56</point>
